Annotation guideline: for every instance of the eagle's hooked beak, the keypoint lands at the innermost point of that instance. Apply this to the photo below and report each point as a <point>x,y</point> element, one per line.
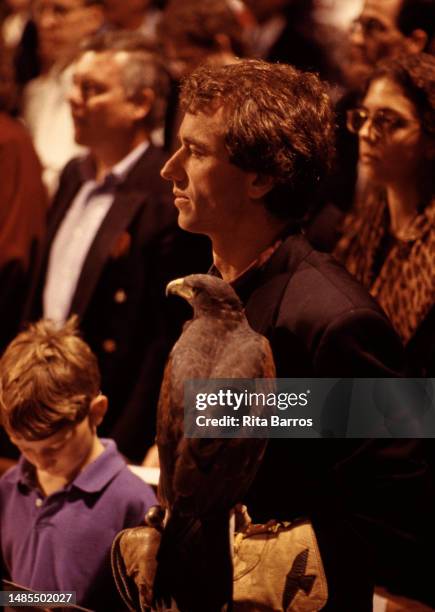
<point>178,287</point>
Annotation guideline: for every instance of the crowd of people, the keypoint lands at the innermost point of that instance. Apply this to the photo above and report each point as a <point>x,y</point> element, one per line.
<point>259,141</point>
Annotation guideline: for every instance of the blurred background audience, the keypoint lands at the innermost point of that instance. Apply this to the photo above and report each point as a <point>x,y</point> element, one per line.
<point>23,207</point>
<point>17,17</point>
<point>19,38</point>
<point>385,29</point>
<point>139,16</point>
<point>286,32</point>
<point>192,32</point>
<point>61,26</point>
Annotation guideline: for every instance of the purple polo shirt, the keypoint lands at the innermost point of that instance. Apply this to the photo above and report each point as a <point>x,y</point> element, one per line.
<point>62,542</point>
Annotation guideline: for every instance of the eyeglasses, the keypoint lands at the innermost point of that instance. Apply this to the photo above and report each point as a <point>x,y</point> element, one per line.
<point>383,122</point>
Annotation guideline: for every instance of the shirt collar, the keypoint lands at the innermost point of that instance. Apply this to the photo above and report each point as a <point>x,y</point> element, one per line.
<point>24,474</point>
<point>123,167</point>
<point>92,479</point>
<point>119,171</point>
<point>255,265</point>
<point>100,472</point>
<point>61,73</point>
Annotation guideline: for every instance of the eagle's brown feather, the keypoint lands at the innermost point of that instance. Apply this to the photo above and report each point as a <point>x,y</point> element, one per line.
<point>202,479</point>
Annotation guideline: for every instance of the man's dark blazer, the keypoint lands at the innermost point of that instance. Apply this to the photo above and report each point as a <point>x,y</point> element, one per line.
<point>120,296</point>
<point>360,494</point>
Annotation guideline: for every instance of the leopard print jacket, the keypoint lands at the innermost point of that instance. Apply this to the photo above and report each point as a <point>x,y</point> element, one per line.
<point>405,284</point>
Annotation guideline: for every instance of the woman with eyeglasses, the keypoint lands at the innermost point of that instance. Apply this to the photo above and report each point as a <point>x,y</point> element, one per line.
<point>388,243</point>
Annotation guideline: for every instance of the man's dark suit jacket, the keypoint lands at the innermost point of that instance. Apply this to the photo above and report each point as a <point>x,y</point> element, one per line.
<point>120,296</point>
<point>361,495</point>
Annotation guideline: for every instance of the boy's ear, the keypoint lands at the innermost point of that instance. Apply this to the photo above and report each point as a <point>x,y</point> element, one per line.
<point>260,185</point>
<point>98,409</point>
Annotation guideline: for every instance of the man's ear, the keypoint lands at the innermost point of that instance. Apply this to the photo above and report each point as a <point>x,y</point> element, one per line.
<point>142,103</point>
<point>223,53</point>
<point>97,410</point>
<point>260,185</point>
<point>416,41</point>
<point>94,17</point>
<point>223,43</point>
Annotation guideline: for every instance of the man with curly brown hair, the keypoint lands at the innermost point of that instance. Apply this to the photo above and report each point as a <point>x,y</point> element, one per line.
<point>256,143</point>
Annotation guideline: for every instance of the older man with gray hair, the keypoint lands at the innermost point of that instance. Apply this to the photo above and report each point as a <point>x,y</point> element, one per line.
<point>113,243</point>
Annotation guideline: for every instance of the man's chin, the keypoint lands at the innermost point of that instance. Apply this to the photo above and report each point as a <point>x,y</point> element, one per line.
<point>356,72</point>
<point>80,136</point>
<point>184,223</point>
<point>188,224</point>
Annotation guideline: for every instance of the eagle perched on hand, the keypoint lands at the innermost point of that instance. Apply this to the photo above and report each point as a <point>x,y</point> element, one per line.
<point>201,480</point>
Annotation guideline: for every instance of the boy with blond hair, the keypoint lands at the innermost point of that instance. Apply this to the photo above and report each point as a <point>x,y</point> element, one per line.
<point>71,492</point>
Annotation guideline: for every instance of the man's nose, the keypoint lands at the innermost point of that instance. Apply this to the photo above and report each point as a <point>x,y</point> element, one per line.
<point>356,35</point>
<point>45,20</point>
<point>172,170</point>
<point>74,96</point>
